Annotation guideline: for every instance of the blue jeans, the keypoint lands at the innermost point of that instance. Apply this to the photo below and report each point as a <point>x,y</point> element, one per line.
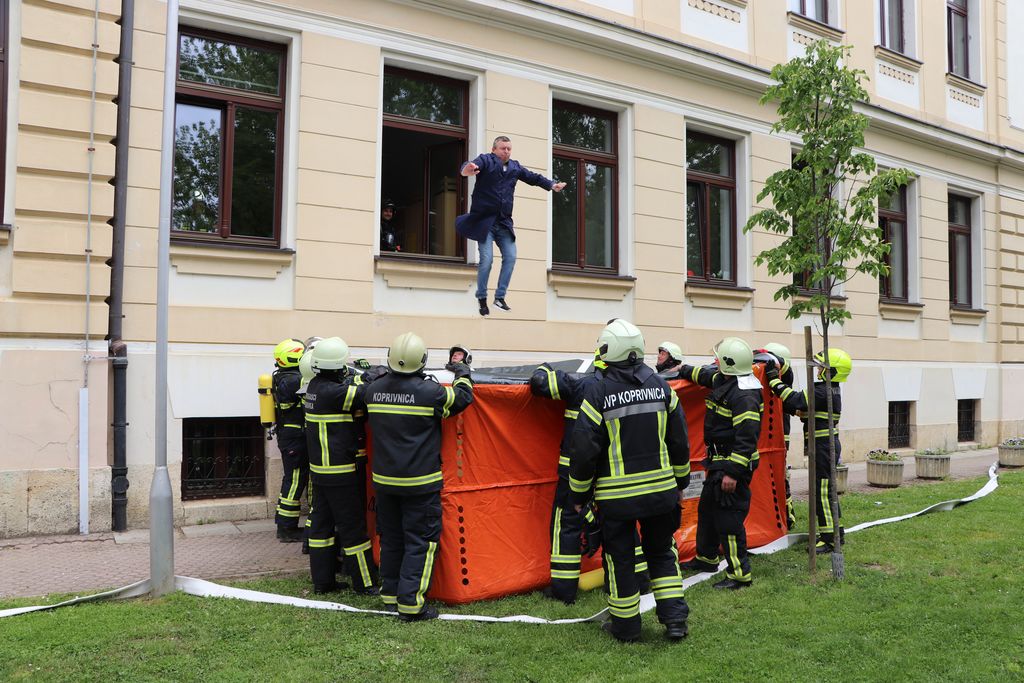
<point>507,246</point>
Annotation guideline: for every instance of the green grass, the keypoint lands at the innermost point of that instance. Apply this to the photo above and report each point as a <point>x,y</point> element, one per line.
<point>938,597</point>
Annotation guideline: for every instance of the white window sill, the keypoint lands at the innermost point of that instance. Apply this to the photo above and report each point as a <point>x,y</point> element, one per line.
<point>893,310</point>
<point>415,274</point>
<point>723,297</point>
<point>967,316</point>
<point>237,262</point>
<point>819,29</point>
<point>590,286</point>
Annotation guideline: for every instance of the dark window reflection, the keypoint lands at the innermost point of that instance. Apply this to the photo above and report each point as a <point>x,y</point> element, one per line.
<point>213,62</point>
<point>565,214</point>
<point>427,100</point>
<point>254,173</point>
<point>582,129</point>
<point>197,168</point>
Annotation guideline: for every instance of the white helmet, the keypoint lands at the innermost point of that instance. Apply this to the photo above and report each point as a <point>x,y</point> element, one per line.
<point>620,340</point>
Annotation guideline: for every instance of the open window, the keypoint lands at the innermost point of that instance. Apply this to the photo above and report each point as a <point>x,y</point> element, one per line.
<point>424,140</point>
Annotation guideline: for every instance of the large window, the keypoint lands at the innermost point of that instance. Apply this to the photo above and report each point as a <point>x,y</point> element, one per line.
<point>710,209</point>
<point>891,15</point>
<point>585,224</point>
<point>957,31</point>
<point>892,219</point>
<point>960,251</point>
<point>966,409</point>
<point>425,137</point>
<point>221,457</point>
<point>229,122</point>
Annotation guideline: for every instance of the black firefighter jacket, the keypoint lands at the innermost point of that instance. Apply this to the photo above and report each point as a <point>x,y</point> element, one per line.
<point>288,410</point>
<point>793,401</point>
<point>333,435</point>
<point>732,423</point>
<point>563,386</point>
<point>629,445</point>
<point>405,413</point>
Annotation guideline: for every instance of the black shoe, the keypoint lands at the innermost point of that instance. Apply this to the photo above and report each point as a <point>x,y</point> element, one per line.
<point>428,613</point>
<point>287,535</point>
<point>329,588</point>
<point>305,546</point>
<point>696,565</point>
<point>483,307</point>
<point>390,607</point>
<point>676,630</point>
<point>731,584</point>
<point>823,548</point>
<point>550,594</point>
<point>368,590</point>
<point>609,628</point>
<point>500,303</point>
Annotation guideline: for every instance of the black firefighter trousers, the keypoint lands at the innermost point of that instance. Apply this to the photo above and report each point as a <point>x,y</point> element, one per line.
<point>720,519</point>
<point>659,549</point>
<point>339,517</point>
<point>410,529</point>
<point>293,483</point>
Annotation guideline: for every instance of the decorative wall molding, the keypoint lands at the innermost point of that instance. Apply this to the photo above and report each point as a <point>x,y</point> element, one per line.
<point>212,260</point>
<point>716,9</point>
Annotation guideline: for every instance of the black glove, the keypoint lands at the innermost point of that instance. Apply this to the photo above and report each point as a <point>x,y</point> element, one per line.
<point>771,370</point>
<point>682,483</point>
<point>361,363</point>
<point>590,536</point>
<point>460,370</point>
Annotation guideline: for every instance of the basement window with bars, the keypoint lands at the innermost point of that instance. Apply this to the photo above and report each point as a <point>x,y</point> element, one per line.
<point>222,457</point>
<point>966,409</point>
<point>899,424</point>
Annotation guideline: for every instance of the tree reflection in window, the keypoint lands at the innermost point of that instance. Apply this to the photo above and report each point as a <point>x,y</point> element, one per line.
<point>426,100</point>
<point>197,145</point>
<point>228,65</point>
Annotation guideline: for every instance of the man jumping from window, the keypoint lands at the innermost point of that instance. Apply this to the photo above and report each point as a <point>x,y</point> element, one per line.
<point>489,220</point>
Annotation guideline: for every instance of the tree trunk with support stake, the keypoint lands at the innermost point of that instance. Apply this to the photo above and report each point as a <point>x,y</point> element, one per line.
<point>812,498</point>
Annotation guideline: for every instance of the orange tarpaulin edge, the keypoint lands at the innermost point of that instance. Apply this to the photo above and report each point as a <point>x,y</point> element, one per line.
<point>500,464</point>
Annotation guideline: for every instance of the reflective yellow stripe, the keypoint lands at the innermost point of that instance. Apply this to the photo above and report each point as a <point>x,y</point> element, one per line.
<point>591,412</point>
<point>350,396</point>
<point>637,490</point>
<point>563,460</point>
<point>565,574</point>
<point>716,408</point>
<point>695,375</point>
<point>332,469</point>
<point>321,542</point>
<point>638,478</point>
<point>556,535</point>
<point>428,568</point>
<point>329,419</point>
<point>826,509</point>
<point>571,414</point>
<point>824,432</point>
<point>565,559</point>
<point>743,417</point>
<point>449,394</point>
<point>615,464</point>
<point>552,383</point>
<point>662,446</point>
<point>287,513</point>
<point>408,481</point>
<point>580,485</point>
<point>674,402</point>
<point>734,554</point>
<point>399,410</point>
<point>463,380</point>
<point>681,470</point>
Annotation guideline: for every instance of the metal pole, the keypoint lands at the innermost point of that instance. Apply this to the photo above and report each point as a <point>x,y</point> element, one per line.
<point>812,475</point>
<point>161,522</point>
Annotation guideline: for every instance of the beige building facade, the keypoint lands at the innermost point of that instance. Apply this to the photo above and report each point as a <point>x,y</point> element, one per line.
<point>295,121</point>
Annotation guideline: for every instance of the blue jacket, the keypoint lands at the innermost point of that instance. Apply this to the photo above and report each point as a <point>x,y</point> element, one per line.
<point>493,196</point>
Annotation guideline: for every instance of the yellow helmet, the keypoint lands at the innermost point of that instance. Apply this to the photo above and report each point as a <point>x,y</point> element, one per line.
<point>839,361</point>
<point>288,353</point>
<point>734,357</point>
<point>407,354</point>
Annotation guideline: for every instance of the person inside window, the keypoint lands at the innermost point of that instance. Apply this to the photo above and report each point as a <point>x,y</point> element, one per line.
<point>389,232</point>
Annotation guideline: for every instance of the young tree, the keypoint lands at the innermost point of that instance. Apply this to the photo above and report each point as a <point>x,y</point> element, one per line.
<point>826,203</point>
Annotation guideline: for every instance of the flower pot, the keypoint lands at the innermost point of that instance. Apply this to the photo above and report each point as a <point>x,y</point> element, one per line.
<point>1011,456</point>
<point>931,466</point>
<point>842,477</point>
<point>884,473</point>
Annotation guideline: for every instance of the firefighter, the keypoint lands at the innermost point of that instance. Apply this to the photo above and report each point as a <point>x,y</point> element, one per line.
<point>405,409</point>
<point>732,426</point>
<point>669,357</point>
<point>781,356</point>
<point>291,438</point>
<point>333,442</point>
<point>631,456</point>
<point>567,526</point>
<point>460,353</point>
<point>840,366</point>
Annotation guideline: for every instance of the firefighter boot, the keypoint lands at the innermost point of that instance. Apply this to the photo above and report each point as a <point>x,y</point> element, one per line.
<point>288,535</point>
<point>730,584</point>
<point>676,630</point>
<point>428,612</point>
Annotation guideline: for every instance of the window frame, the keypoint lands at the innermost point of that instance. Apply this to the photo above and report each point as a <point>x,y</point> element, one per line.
<point>966,433</point>
<point>886,40</point>
<point>582,156</point>
<point>967,230</point>
<point>228,99</point>
<point>885,216</point>
<point>5,9</point>
<point>896,436</point>
<point>224,437</point>
<point>400,122</point>
<point>707,181</point>
<point>952,8</point>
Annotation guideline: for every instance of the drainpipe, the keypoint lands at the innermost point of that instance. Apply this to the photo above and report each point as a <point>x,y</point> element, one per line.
<point>118,350</point>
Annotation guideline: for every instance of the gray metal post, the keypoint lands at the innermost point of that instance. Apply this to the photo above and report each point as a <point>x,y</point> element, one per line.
<point>161,522</point>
